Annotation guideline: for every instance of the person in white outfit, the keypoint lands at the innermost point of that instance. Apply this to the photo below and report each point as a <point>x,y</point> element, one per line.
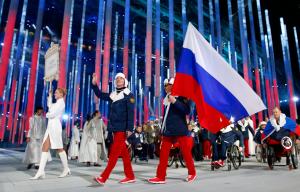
<point>83,143</point>
<point>74,146</point>
<point>100,137</point>
<point>37,129</point>
<point>245,126</point>
<point>251,137</point>
<point>53,136</point>
<point>88,145</point>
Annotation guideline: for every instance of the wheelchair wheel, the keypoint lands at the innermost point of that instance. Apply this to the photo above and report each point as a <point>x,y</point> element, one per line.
<point>271,157</point>
<point>212,167</point>
<point>236,159</point>
<point>294,156</point>
<point>240,157</point>
<point>131,152</point>
<point>176,165</point>
<point>180,157</point>
<point>229,166</point>
<point>258,153</point>
<point>171,160</point>
<point>264,155</point>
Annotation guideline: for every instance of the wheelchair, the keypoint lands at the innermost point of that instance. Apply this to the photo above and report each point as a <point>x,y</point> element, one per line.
<point>176,156</point>
<point>260,153</point>
<point>287,147</point>
<point>260,150</point>
<point>233,157</point>
<point>135,152</point>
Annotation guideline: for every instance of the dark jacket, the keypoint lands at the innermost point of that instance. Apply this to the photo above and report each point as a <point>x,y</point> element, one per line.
<point>246,132</point>
<point>121,112</point>
<point>136,138</point>
<point>195,136</point>
<point>176,124</point>
<point>257,137</point>
<point>232,136</point>
<point>205,134</point>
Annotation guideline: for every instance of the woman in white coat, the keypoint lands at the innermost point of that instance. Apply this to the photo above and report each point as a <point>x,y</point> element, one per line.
<point>74,146</point>
<point>34,139</point>
<point>83,143</point>
<point>53,136</point>
<point>88,146</point>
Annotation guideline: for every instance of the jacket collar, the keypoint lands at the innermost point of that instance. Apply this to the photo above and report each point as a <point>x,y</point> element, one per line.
<point>114,96</point>
<point>243,125</point>
<point>282,121</point>
<point>166,99</point>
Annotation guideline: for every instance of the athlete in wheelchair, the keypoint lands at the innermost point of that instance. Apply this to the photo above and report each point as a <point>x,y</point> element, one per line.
<point>260,151</point>
<point>279,138</point>
<point>227,148</point>
<point>175,156</point>
<point>137,146</point>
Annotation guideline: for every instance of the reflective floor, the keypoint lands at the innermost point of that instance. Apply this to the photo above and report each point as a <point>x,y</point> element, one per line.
<point>252,176</point>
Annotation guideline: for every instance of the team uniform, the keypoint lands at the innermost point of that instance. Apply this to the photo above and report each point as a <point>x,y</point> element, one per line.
<point>121,116</point>
<point>228,136</point>
<point>139,145</point>
<point>174,129</point>
<point>277,130</point>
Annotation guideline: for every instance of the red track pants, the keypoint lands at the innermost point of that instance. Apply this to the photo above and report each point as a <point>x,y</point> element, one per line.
<point>165,151</point>
<point>206,148</point>
<point>117,149</point>
<point>246,143</point>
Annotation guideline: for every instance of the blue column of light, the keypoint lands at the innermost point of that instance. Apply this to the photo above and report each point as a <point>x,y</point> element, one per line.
<point>232,43</point>
<point>218,23</point>
<point>200,17</point>
<point>115,48</point>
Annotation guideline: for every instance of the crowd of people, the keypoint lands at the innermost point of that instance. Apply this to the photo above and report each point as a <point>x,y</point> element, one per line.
<point>97,142</point>
<point>89,144</point>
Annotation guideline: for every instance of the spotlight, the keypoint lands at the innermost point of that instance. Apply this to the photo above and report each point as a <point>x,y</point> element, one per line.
<point>65,117</point>
<point>50,31</point>
<point>295,99</point>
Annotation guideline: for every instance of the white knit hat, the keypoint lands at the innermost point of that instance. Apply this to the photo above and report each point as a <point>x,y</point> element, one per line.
<point>262,123</point>
<point>123,76</point>
<point>169,81</point>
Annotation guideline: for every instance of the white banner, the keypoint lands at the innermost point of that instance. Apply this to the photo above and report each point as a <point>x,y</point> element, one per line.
<point>52,63</point>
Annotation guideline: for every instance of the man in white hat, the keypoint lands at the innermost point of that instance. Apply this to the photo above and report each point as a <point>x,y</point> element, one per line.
<point>121,117</point>
<point>174,129</point>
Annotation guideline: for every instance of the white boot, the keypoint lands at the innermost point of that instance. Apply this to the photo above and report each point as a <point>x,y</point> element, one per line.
<point>64,160</point>
<point>41,171</point>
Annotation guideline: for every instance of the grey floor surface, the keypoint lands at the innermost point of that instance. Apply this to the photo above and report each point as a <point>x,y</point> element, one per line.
<point>252,177</point>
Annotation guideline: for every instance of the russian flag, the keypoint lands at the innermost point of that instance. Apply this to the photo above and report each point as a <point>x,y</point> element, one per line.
<point>290,125</point>
<point>219,92</point>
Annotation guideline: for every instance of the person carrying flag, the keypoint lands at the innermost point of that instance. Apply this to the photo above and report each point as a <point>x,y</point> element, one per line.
<point>174,129</point>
